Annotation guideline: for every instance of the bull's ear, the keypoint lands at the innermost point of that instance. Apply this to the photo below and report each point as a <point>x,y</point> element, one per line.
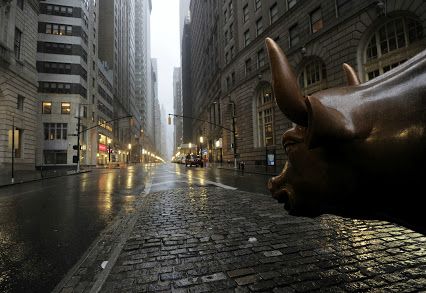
<point>351,75</point>
<point>326,124</point>
<point>284,83</point>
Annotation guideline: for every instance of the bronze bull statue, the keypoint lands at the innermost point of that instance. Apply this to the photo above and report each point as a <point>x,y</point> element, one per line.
<point>362,145</point>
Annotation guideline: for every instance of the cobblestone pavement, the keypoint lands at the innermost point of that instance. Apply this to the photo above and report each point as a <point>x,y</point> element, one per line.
<point>209,239</point>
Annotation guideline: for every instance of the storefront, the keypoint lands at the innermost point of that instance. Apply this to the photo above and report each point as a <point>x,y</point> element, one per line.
<point>104,150</point>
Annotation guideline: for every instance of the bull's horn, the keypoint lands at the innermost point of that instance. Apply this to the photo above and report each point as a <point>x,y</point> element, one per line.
<point>351,75</point>
<point>286,89</point>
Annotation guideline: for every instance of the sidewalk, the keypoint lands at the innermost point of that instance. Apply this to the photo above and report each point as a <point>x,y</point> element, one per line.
<point>209,239</point>
<point>22,176</point>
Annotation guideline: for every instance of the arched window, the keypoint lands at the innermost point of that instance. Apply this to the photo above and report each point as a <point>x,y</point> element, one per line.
<point>265,116</point>
<point>392,44</point>
<point>313,77</point>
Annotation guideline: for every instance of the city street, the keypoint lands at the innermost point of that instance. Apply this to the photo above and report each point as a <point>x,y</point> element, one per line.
<point>46,226</point>
<point>174,228</point>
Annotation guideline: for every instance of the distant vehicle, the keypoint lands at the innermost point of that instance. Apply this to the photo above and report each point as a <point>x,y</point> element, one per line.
<point>193,160</point>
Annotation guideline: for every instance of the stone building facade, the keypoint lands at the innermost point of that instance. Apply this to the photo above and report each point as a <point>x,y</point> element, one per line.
<point>67,75</point>
<point>317,37</point>
<point>18,83</point>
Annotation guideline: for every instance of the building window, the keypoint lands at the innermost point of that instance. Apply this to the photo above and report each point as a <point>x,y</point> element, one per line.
<point>316,20</point>
<point>392,44</point>
<point>291,3</point>
<point>53,157</point>
<point>18,142</point>
<point>313,77</point>
<point>245,13</point>
<point>20,4</point>
<point>55,131</point>
<point>47,108</point>
<point>257,4</point>
<point>20,103</point>
<point>17,46</point>
<point>293,36</point>
<point>248,66</point>
<point>273,12</point>
<point>246,38</point>
<point>265,116</point>
<point>65,108</point>
<point>260,58</point>
<point>259,26</point>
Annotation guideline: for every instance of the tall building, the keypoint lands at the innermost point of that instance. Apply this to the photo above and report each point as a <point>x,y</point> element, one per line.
<point>177,107</point>
<point>106,153</point>
<point>18,84</point>
<point>186,83</point>
<point>67,75</point>
<point>143,64</point>
<point>205,71</point>
<point>183,15</point>
<point>154,114</point>
<point>117,48</point>
<point>230,69</point>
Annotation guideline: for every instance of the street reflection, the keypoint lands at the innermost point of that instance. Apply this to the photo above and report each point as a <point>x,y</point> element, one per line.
<point>106,188</point>
<point>129,180</point>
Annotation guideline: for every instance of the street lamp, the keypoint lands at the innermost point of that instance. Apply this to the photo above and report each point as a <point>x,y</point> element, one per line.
<point>130,148</point>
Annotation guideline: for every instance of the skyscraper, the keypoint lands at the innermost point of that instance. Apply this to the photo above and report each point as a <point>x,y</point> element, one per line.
<point>143,92</point>
<point>177,107</point>
<point>117,48</point>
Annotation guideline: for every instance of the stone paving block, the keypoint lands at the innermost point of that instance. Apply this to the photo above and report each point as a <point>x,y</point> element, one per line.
<point>183,242</point>
<point>241,281</point>
<point>241,272</point>
<point>272,253</point>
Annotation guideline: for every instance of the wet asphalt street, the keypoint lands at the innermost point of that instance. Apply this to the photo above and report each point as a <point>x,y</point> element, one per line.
<point>46,226</point>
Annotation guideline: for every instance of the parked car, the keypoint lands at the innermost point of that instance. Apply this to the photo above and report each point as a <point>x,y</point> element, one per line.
<point>193,160</point>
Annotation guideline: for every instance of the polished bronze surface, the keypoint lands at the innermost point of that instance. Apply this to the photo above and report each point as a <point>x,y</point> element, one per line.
<point>362,144</point>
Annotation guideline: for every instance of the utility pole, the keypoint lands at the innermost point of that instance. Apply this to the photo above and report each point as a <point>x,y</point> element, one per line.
<point>78,140</point>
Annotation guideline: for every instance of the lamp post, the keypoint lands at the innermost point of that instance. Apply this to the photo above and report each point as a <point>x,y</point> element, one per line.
<point>234,138</point>
<point>13,148</point>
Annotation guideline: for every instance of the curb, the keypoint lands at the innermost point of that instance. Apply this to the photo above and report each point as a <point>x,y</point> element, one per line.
<point>40,179</point>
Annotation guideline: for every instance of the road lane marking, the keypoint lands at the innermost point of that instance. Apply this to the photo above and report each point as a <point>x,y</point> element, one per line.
<point>206,181</point>
<point>167,182</point>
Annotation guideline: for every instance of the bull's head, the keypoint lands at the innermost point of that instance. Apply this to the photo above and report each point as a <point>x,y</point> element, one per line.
<point>363,143</point>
